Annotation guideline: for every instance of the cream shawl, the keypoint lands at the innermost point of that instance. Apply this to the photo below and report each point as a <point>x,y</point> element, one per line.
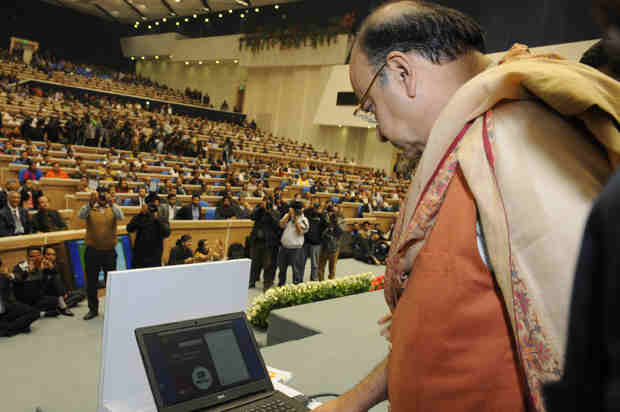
<point>533,173</point>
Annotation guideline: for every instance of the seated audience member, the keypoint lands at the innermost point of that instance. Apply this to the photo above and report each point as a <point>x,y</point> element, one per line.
<point>83,186</point>
<point>15,317</point>
<point>30,195</point>
<point>260,191</point>
<point>30,173</point>
<point>14,219</point>
<point>243,209</point>
<point>38,284</point>
<point>245,191</point>
<point>50,274</point>
<point>303,180</point>
<point>140,200</point>
<point>56,171</point>
<point>227,192</point>
<point>206,254</point>
<point>226,209</point>
<point>11,186</point>
<point>23,159</point>
<point>182,252</point>
<point>46,219</point>
<point>169,209</point>
<point>191,211</point>
<point>80,173</point>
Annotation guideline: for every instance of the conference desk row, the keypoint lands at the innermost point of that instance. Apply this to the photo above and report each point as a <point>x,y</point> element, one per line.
<point>13,249</point>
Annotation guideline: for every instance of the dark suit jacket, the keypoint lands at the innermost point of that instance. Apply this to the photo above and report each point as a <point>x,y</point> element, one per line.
<point>185,213</point>
<point>7,225</point>
<point>47,222</point>
<point>591,376</point>
<point>36,194</point>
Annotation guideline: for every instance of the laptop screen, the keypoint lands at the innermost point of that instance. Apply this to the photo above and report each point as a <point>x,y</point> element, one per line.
<point>202,361</point>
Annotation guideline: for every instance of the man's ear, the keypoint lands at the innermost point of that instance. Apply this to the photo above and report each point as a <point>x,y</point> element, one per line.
<point>405,73</point>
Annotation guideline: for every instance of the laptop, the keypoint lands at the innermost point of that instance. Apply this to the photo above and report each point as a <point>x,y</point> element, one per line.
<point>211,364</point>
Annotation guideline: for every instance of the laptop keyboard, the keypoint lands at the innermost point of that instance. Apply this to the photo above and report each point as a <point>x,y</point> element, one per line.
<point>276,403</point>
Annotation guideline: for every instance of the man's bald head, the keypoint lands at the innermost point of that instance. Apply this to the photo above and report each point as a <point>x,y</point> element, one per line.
<point>438,34</point>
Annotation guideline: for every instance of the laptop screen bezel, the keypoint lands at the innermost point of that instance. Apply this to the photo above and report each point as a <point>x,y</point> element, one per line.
<point>211,400</point>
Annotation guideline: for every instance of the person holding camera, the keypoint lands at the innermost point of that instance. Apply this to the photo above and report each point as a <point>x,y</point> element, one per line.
<point>102,218</point>
<point>264,240</point>
<point>330,241</point>
<point>150,230</point>
<point>312,245</point>
<point>295,226</point>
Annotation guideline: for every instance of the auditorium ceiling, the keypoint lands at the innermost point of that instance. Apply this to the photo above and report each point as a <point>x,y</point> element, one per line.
<point>130,11</point>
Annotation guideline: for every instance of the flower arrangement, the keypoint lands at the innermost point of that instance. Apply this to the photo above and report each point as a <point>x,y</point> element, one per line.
<point>377,283</point>
<point>291,295</point>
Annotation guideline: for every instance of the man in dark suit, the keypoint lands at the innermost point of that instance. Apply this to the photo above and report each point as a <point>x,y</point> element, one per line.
<point>140,200</point>
<point>46,219</point>
<point>14,220</point>
<point>11,185</point>
<point>191,211</point>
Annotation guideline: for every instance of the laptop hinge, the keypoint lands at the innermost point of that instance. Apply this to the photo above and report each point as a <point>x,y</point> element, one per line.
<point>240,402</point>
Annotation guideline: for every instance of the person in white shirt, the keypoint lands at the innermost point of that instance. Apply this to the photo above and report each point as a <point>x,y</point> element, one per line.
<point>295,226</point>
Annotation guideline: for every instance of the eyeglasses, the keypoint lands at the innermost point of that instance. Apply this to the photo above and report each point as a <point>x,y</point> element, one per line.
<point>359,110</point>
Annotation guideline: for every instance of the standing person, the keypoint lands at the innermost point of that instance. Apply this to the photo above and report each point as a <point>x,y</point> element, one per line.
<point>421,73</point>
<point>102,219</point>
<point>295,226</point>
<point>331,241</point>
<point>264,243</point>
<point>151,230</point>
<point>312,242</point>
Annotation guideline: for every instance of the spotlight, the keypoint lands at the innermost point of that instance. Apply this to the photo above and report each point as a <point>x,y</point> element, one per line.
<point>147,102</point>
<point>229,11</point>
<point>186,63</point>
<point>186,20</point>
<point>256,10</point>
<point>137,23</point>
<point>220,15</point>
<point>277,6</point>
<point>157,23</point>
<point>217,62</point>
<point>133,58</point>
<point>339,125</point>
<point>200,62</point>
<point>164,19</point>
<point>178,23</point>
<point>236,61</point>
<point>142,57</point>
<point>195,16</point>
<point>156,57</point>
<point>150,27</point>
<point>178,1</point>
<point>242,15</point>
<point>207,20</point>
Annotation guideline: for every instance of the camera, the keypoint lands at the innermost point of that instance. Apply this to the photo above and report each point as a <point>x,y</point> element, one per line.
<point>102,193</point>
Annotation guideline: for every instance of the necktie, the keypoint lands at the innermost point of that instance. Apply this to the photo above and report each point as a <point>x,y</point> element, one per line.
<point>19,228</point>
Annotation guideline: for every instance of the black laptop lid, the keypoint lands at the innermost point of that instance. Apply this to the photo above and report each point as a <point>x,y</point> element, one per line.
<point>202,363</point>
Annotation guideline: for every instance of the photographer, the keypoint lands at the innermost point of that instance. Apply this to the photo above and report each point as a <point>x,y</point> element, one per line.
<point>312,245</point>
<point>331,240</point>
<point>295,226</point>
<point>151,230</point>
<point>264,241</point>
<point>101,222</point>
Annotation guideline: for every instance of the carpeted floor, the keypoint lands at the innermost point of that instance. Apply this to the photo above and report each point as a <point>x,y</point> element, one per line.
<point>56,366</point>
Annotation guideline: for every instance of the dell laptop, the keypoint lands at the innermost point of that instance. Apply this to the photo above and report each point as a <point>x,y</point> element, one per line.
<point>211,364</point>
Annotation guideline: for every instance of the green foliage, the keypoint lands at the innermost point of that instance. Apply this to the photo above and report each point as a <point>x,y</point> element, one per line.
<point>291,295</point>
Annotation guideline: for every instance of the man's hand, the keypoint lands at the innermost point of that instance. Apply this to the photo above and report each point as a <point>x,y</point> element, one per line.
<point>385,332</point>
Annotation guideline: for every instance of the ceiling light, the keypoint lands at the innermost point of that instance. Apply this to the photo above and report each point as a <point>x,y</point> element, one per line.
<point>242,15</point>
<point>229,11</point>
<point>207,20</point>
<point>157,23</point>
<point>156,57</point>
<point>217,62</point>
<point>164,19</point>
<point>339,125</point>
<point>186,63</point>
<point>142,57</point>
<point>195,16</point>
<point>276,6</point>
<point>220,15</point>
<point>206,9</point>
<point>257,10</point>
<point>133,58</point>
<point>186,20</point>
<point>200,62</point>
<point>244,3</point>
<point>143,18</point>
<point>178,23</point>
<point>150,27</point>
<point>178,1</point>
<point>137,23</point>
